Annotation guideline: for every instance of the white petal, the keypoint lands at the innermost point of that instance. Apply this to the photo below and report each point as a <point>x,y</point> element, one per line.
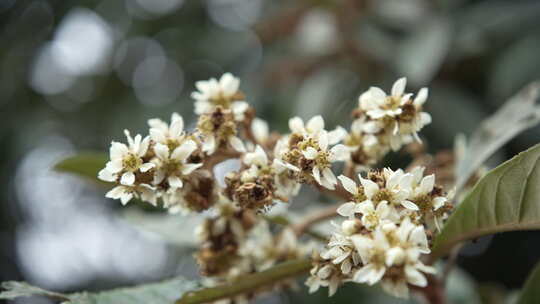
<point>310,153</point>
<point>348,184</point>
<point>330,179</point>
<point>415,277</point>
<point>337,135</point>
<point>426,186</point>
<point>177,125</point>
<point>395,256</point>
<point>281,165</point>
<point>143,147</point>
<point>106,175</point>
<point>260,129</point>
<point>146,166</point>
<point>175,182</point>
<point>366,207</point>
<point>188,168</point>
<point>421,97</point>
<point>377,93</point>
<point>370,187</point>
<point>296,125</point>
<point>315,124</point>
<point>183,151</point>
<point>376,113</point>
<point>125,198</point>
<point>237,144</point>
<point>438,202</point>
<point>346,209</point>
<point>425,118</point>
<point>339,153</point>
<point>162,151</point>
<point>409,205</point>
<point>323,140</point>
<point>209,144</point>
<point>116,192</point>
<point>118,150</point>
<point>157,135</point>
<point>127,179</point>
<point>317,175</point>
<point>399,87</point>
<point>114,166</point>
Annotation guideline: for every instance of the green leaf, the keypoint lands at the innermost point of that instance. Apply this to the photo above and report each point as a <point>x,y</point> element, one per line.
<point>164,292</point>
<point>248,283</point>
<point>506,199</point>
<point>531,290</point>
<point>518,114</point>
<point>86,165</point>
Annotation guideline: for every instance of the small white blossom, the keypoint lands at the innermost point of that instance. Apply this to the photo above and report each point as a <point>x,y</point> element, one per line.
<point>173,166</point>
<point>126,160</point>
<point>212,93</point>
<point>124,193</point>
<point>163,133</point>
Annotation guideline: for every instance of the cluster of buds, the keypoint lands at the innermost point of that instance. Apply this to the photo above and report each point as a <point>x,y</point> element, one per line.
<point>391,219</point>
<point>385,122</point>
<point>233,244</point>
<point>260,182</point>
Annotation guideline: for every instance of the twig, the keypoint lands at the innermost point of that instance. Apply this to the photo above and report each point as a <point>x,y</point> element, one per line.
<point>315,217</point>
<point>248,283</point>
<point>283,221</point>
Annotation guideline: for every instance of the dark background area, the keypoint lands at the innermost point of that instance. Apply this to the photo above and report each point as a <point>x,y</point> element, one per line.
<point>74,74</point>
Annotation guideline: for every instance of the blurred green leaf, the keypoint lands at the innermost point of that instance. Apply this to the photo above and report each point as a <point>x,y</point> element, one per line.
<point>164,292</point>
<point>85,165</point>
<point>248,283</point>
<point>531,290</point>
<point>518,113</point>
<point>506,199</point>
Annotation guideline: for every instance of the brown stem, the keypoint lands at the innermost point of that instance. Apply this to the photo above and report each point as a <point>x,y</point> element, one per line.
<point>219,156</point>
<point>313,218</point>
<point>338,192</point>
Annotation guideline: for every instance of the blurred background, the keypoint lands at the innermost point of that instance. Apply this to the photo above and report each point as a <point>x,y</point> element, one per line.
<point>74,74</point>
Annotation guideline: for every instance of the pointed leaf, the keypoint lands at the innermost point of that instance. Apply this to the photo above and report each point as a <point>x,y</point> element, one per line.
<point>506,199</point>
<point>518,114</point>
<point>86,165</point>
<point>164,292</point>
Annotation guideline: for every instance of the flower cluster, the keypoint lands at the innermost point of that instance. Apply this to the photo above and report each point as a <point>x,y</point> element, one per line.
<point>260,182</point>
<point>233,244</point>
<point>385,122</point>
<point>308,153</point>
<point>390,218</point>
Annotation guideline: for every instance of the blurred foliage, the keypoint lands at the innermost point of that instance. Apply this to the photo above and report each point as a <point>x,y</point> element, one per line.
<point>294,58</point>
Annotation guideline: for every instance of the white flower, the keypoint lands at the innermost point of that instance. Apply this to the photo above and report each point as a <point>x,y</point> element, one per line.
<point>257,157</point>
<point>166,134</point>
<point>314,126</point>
<point>209,143</point>
<point>126,161</point>
<point>372,252</point>
<point>323,157</point>
<point>124,193</point>
<point>173,165</point>
<point>371,217</point>
<point>212,93</point>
